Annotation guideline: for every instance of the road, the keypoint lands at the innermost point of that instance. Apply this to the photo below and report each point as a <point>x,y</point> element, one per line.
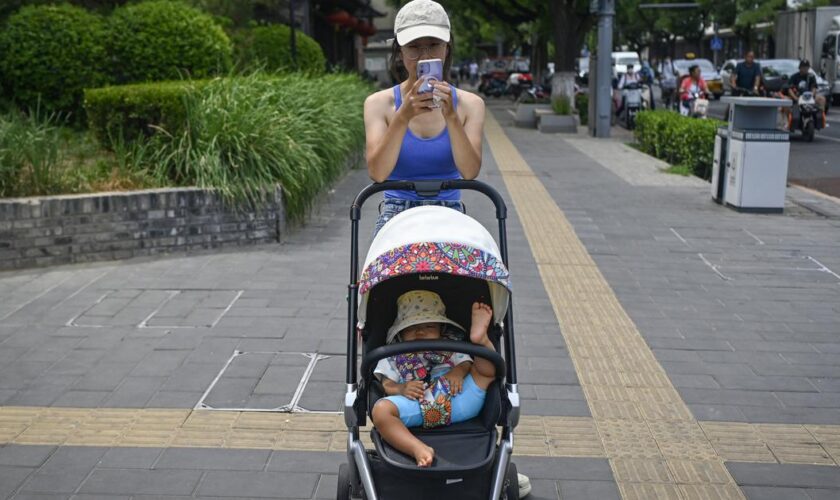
<point>816,164</point>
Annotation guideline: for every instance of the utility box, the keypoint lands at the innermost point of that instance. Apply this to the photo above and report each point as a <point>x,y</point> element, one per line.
<point>756,156</point>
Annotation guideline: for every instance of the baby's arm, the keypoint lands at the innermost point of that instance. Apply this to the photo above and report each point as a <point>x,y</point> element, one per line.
<point>456,375</point>
<point>411,390</point>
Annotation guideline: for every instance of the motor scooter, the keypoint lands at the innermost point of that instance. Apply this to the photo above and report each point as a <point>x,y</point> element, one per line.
<point>518,83</point>
<point>632,96</point>
<point>696,106</point>
<point>806,116</point>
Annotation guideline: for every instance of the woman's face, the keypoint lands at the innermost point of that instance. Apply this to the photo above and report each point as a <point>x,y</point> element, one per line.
<point>695,73</point>
<point>422,48</point>
<point>423,331</point>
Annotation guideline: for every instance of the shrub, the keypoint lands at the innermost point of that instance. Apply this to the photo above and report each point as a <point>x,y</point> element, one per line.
<point>126,112</point>
<point>269,47</point>
<point>49,54</point>
<point>561,105</point>
<point>166,40</point>
<point>244,135</point>
<point>582,105</point>
<point>677,139</point>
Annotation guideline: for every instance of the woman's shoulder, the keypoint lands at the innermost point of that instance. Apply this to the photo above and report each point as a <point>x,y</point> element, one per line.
<point>384,97</point>
<point>469,99</point>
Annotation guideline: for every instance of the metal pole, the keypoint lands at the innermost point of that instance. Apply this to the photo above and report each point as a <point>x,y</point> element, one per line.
<point>603,107</point>
<point>293,41</point>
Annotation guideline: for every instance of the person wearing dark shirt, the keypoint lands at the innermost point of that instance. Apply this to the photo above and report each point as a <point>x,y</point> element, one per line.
<point>747,76</point>
<point>804,81</point>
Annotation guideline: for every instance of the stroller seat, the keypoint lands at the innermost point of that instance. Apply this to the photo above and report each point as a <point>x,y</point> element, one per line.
<point>462,446</point>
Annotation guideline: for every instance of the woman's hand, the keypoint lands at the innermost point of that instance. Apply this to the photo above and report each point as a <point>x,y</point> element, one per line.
<point>443,92</point>
<point>413,390</point>
<point>415,104</point>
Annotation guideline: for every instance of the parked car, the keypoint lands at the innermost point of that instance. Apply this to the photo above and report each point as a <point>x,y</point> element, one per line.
<point>707,72</point>
<point>773,69</point>
<point>726,73</point>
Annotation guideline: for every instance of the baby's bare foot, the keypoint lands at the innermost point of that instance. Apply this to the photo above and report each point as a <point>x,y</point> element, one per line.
<point>424,455</point>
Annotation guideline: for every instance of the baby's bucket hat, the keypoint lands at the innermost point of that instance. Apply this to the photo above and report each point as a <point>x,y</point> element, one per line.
<point>417,307</point>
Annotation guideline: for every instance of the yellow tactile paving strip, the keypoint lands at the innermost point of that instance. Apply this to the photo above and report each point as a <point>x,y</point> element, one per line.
<point>536,436</point>
<point>655,446</point>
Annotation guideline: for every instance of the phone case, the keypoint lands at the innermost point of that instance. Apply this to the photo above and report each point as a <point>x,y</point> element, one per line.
<point>429,70</point>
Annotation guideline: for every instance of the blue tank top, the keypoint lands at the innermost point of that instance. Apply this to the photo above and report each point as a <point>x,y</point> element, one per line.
<point>422,159</point>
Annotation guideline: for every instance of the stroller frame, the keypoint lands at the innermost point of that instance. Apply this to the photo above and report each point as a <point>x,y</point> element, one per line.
<point>359,468</point>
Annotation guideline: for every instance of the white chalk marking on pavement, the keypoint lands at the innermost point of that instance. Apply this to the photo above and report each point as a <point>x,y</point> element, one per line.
<point>314,358</point>
<point>172,294</point>
<point>714,268</point>
<point>72,321</point>
<point>829,138</point>
<point>756,238</point>
<point>33,299</point>
<point>678,235</point>
<point>80,290</point>
<point>824,268</point>
<point>201,405</point>
<point>232,302</point>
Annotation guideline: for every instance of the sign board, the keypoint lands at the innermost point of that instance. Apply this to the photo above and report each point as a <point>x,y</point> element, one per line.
<point>716,43</point>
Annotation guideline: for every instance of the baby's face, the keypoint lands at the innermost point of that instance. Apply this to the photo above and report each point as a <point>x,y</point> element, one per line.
<point>423,331</point>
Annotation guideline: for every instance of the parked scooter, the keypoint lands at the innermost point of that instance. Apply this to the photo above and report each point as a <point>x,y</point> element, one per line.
<point>492,86</point>
<point>518,83</point>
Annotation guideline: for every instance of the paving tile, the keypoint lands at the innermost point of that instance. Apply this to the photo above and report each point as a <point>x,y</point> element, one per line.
<point>65,470</point>
<point>130,458</point>
<point>11,478</point>
<point>589,490</point>
<point>25,456</point>
<point>774,493</point>
<point>788,475</point>
<point>234,460</point>
<point>258,484</point>
<point>134,481</point>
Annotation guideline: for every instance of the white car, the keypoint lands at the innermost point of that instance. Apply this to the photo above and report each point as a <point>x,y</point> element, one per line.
<point>726,73</point>
<point>620,61</point>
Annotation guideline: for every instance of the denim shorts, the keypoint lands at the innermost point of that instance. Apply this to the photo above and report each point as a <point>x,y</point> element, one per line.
<point>465,405</point>
<point>391,207</point>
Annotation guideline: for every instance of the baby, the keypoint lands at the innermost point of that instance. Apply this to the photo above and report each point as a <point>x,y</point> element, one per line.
<point>430,388</point>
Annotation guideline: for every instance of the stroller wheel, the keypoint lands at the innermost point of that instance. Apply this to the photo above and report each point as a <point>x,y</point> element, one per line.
<point>511,491</point>
<point>345,483</point>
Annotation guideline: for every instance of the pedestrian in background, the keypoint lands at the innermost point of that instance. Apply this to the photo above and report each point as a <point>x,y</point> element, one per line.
<point>473,73</point>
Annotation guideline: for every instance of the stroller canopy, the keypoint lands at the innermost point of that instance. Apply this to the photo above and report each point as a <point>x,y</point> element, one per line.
<point>435,239</point>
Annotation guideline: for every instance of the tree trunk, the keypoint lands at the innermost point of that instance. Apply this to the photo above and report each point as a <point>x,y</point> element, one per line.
<point>539,57</point>
<point>567,42</point>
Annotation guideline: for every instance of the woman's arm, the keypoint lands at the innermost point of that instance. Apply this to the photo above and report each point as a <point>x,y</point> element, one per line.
<point>466,137</point>
<point>383,140</point>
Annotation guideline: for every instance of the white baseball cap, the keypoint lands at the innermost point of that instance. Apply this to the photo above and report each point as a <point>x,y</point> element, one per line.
<point>421,18</point>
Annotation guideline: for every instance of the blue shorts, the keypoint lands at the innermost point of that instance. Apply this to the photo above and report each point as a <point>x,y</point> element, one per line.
<point>391,207</point>
<point>465,405</point>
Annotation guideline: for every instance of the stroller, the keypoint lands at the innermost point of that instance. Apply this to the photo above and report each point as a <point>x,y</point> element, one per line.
<point>441,250</point>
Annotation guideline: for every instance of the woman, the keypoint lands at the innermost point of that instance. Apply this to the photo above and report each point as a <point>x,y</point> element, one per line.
<point>411,136</point>
<point>692,87</point>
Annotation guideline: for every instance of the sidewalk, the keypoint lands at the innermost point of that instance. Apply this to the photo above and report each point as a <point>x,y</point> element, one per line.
<point>667,347</point>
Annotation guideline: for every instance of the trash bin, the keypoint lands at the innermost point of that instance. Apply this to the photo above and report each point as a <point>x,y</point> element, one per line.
<point>757,156</point>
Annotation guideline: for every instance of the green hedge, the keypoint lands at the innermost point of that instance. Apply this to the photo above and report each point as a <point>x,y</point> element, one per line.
<point>268,47</point>
<point>126,112</point>
<point>49,53</point>
<point>677,139</point>
<point>240,135</point>
<point>166,40</point>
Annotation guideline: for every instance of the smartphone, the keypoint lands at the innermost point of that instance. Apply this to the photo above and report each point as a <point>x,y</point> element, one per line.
<point>429,70</point>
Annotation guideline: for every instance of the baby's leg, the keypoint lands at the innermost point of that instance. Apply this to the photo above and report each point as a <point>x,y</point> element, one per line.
<point>386,419</point>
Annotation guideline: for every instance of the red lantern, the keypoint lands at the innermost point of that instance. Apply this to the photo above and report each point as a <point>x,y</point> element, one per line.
<point>338,17</point>
<point>350,23</point>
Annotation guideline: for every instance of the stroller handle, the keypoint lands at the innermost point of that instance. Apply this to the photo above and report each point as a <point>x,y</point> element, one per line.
<point>429,188</point>
<point>372,358</point>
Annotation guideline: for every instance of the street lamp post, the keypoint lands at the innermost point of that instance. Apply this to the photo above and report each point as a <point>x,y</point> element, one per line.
<point>603,107</point>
